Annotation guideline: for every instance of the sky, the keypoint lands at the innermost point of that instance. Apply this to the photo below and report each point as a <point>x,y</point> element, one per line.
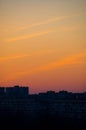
<point>43,44</point>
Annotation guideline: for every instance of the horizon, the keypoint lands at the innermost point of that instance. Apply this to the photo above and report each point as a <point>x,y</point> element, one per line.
<point>43,44</point>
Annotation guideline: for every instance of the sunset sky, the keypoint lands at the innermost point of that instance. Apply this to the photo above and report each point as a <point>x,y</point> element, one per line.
<point>43,44</point>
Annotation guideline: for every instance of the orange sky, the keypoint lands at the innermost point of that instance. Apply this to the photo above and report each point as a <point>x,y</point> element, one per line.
<point>43,44</point>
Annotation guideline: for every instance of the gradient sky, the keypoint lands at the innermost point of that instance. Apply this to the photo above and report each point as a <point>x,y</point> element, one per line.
<point>43,44</point>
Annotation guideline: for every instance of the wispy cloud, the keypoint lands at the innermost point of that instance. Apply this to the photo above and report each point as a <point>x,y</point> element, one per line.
<point>33,25</point>
<point>6,58</point>
<point>47,21</point>
<point>41,33</point>
<point>55,19</point>
<point>27,36</point>
<point>37,24</point>
<point>22,56</point>
<point>71,60</point>
<point>75,59</point>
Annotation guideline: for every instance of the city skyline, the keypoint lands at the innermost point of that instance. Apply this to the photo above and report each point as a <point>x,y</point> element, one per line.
<point>25,90</point>
<point>43,44</point>
<point>3,88</point>
<point>48,110</point>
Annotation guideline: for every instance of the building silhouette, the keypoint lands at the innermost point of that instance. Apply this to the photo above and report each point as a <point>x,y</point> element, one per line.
<point>17,91</point>
<point>17,102</point>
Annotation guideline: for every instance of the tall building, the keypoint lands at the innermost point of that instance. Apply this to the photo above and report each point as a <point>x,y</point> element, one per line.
<point>17,91</point>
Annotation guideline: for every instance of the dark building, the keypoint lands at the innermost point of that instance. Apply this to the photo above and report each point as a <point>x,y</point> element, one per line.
<point>63,95</point>
<point>17,91</point>
<point>2,91</point>
<point>48,106</point>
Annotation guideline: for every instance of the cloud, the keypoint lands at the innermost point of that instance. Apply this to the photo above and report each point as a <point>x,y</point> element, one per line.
<point>27,36</point>
<point>31,54</point>
<point>41,33</point>
<point>12,57</point>
<point>36,34</point>
<point>71,60</point>
<point>75,59</point>
<point>47,21</point>
<point>55,19</point>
